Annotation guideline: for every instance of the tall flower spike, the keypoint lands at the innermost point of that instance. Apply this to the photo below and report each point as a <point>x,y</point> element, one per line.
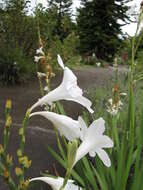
<point>56,183</point>
<point>67,90</point>
<point>65,125</point>
<point>94,141</point>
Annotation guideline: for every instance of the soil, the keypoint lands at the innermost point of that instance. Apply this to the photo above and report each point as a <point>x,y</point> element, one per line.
<point>39,133</point>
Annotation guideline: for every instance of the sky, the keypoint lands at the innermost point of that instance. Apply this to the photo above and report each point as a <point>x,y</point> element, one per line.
<point>129,29</point>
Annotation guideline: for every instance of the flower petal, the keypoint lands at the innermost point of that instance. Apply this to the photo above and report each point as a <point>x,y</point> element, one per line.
<point>83,128</point>
<point>56,183</point>
<point>65,125</point>
<point>40,51</point>
<point>104,157</point>
<point>60,61</point>
<point>92,153</point>
<point>96,128</point>
<point>106,142</point>
<point>84,102</point>
<point>69,78</point>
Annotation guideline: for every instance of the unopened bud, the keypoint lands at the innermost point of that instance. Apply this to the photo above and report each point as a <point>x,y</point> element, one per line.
<point>8,104</point>
<point>18,171</point>
<point>19,153</point>
<point>24,184</point>
<point>21,131</point>
<point>9,159</point>
<point>5,173</point>
<point>1,149</point>
<point>8,121</point>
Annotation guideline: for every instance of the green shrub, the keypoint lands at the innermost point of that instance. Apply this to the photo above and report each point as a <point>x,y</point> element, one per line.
<point>15,67</point>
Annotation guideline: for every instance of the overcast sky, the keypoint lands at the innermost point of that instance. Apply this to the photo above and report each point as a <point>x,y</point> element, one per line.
<point>130,29</point>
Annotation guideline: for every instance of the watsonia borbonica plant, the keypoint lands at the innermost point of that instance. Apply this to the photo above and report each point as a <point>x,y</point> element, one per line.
<point>124,169</point>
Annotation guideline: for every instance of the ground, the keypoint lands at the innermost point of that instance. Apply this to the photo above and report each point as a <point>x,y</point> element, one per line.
<point>40,133</point>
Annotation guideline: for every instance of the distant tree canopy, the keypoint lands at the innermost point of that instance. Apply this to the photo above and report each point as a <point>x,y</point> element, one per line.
<point>18,30</point>
<point>99,26</point>
<point>97,30</point>
<point>63,8</point>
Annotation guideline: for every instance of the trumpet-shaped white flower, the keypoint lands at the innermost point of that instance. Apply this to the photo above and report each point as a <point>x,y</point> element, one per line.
<point>93,142</point>
<point>67,90</point>
<point>65,125</point>
<point>56,183</point>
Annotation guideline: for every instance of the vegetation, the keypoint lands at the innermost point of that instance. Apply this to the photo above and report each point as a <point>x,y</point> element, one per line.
<point>118,125</point>
<point>86,39</point>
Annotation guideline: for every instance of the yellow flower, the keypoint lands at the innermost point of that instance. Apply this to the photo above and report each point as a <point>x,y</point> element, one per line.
<point>25,162</point>
<point>18,171</point>
<point>9,159</point>
<point>5,173</point>
<point>8,104</point>
<point>24,184</point>
<point>8,121</point>
<point>19,153</point>
<point>21,131</point>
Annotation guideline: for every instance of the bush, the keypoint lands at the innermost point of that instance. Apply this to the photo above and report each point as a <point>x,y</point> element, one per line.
<point>14,66</point>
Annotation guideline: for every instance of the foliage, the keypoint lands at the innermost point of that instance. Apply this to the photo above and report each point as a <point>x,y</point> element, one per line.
<point>101,35</point>
<point>68,50</point>
<point>126,129</point>
<point>63,16</point>
<point>6,160</point>
<point>17,42</point>
<point>14,66</point>
<point>17,29</point>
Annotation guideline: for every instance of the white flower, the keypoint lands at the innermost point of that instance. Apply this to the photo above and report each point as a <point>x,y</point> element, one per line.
<point>40,75</point>
<point>56,183</point>
<point>40,51</point>
<point>67,90</point>
<point>112,111</point>
<point>123,94</point>
<point>94,141</point>
<point>46,89</point>
<point>65,125</point>
<point>98,64</point>
<point>37,58</point>
<point>113,108</point>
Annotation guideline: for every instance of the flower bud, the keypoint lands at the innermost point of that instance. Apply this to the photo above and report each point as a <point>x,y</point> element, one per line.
<point>19,153</point>
<point>21,131</point>
<point>24,184</point>
<point>8,121</point>
<point>9,159</point>
<point>18,171</point>
<point>25,162</point>
<point>8,104</point>
<point>1,149</point>
<point>6,173</point>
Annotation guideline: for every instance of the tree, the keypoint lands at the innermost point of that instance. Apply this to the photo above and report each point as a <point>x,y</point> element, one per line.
<point>19,29</point>
<point>64,14</point>
<point>99,26</point>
